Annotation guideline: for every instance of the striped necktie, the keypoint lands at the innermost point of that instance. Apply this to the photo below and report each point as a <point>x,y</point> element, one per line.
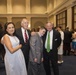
<point>26,38</point>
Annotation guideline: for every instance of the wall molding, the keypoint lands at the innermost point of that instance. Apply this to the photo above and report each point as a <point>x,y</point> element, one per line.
<point>63,6</point>
<point>23,15</point>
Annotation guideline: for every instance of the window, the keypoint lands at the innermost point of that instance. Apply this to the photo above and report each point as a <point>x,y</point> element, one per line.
<point>74,17</point>
<point>61,19</point>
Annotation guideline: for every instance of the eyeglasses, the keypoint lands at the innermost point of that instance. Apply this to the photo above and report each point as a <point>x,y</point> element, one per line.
<point>25,22</point>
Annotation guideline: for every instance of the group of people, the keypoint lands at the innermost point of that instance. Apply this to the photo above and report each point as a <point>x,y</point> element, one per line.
<point>30,54</point>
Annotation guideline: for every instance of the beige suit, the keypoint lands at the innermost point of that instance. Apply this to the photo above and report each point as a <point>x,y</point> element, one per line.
<point>36,51</point>
<point>36,48</point>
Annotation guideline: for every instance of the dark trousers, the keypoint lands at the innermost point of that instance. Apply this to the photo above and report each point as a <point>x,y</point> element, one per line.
<point>2,51</point>
<point>25,50</point>
<point>26,56</point>
<point>66,49</point>
<point>36,69</point>
<point>50,59</point>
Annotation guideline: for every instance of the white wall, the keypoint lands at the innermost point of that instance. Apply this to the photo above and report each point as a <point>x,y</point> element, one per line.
<point>38,6</point>
<point>3,7</point>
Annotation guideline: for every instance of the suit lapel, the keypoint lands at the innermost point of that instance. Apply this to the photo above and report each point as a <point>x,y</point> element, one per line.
<point>28,33</point>
<point>38,36</point>
<point>40,42</point>
<point>20,33</point>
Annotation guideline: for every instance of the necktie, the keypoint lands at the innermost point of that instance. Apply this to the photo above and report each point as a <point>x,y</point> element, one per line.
<point>48,42</point>
<point>26,38</point>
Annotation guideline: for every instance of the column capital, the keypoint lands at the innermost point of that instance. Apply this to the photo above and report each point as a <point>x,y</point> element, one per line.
<point>27,6</point>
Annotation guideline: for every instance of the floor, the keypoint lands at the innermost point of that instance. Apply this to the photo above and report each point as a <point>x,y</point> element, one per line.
<point>67,68</point>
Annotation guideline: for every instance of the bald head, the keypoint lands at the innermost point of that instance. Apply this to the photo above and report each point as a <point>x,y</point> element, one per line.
<point>49,26</point>
<point>24,23</point>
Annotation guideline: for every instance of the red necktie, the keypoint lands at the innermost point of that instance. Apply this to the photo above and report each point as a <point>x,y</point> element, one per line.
<point>26,38</point>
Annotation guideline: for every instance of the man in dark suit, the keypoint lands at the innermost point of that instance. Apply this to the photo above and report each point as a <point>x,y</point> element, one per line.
<point>67,41</point>
<point>51,53</point>
<point>24,35</point>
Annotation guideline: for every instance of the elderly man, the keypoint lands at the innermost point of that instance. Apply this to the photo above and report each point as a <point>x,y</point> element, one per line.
<point>51,41</point>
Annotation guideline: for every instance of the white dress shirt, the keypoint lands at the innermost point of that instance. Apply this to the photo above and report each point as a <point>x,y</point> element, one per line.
<point>51,39</point>
<point>23,33</point>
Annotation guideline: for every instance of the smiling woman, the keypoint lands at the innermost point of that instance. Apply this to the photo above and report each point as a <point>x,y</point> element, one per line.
<point>10,28</point>
<point>14,59</point>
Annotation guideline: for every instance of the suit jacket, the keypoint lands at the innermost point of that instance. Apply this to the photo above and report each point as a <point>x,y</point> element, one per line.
<point>36,48</point>
<point>1,35</point>
<point>25,46</point>
<point>67,36</point>
<point>55,42</point>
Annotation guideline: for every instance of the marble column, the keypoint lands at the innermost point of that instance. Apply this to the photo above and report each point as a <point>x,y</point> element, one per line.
<point>69,17</point>
<point>9,6</point>
<point>27,6</point>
